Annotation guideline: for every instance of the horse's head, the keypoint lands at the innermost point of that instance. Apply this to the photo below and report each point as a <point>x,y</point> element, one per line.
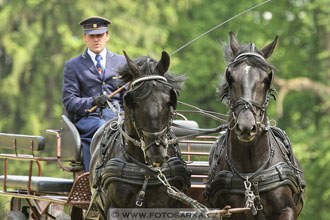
<point>149,104</point>
<point>247,87</point>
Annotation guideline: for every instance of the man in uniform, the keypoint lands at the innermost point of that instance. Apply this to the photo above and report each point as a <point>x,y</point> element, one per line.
<point>89,79</point>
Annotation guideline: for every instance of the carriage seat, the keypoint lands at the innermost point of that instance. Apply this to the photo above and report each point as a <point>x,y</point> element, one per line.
<point>71,150</point>
<point>71,144</point>
<point>31,144</point>
<point>179,132</point>
<point>38,183</point>
<point>198,167</point>
<point>22,142</point>
<point>199,171</point>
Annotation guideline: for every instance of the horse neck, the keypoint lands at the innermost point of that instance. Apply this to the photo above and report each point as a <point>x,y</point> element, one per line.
<point>249,156</point>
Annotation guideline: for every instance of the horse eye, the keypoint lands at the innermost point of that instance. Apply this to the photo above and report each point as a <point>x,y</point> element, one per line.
<point>229,78</point>
<point>266,81</point>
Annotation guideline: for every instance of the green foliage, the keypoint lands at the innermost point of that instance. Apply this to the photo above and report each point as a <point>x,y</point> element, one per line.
<point>38,36</point>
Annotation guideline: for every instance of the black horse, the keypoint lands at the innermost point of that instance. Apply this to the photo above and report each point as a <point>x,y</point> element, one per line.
<point>252,164</point>
<point>131,155</point>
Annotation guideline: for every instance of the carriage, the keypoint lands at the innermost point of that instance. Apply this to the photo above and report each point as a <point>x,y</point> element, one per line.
<point>43,197</point>
<point>251,164</point>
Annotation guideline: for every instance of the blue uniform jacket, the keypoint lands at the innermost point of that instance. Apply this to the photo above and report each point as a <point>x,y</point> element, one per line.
<point>81,81</point>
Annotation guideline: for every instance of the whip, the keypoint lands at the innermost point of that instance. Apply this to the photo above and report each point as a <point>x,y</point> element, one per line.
<point>219,25</point>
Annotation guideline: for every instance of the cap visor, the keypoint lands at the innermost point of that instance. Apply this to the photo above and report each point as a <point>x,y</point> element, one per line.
<point>96,31</point>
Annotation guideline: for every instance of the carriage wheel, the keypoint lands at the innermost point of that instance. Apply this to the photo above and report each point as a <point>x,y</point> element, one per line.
<point>15,215</point>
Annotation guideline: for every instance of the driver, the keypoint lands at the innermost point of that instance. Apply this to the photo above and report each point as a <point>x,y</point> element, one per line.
<point>89,79</point>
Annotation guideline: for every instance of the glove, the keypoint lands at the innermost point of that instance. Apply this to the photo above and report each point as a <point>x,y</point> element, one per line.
<point>100,101</point>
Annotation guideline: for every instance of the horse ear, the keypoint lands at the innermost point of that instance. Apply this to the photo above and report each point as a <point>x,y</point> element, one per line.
<point>233,43</point>
<point>269,49</point>
<point>163,64</point>
<point>132,66</point>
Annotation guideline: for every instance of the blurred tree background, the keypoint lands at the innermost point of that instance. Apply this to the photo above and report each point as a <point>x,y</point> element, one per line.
<point>38,36</point>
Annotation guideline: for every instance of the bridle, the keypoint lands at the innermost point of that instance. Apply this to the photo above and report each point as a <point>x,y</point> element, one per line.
<point>248,104</point>
<point>160,137</point>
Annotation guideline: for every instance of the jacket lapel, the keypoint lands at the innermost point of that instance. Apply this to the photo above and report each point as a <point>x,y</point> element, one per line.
<point>88,62</point>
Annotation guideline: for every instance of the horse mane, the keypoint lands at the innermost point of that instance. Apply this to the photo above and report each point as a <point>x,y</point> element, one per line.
<point>223,87</point>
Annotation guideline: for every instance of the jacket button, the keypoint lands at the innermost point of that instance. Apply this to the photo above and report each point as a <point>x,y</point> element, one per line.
<point>104,92</point>
<point>103,83</point>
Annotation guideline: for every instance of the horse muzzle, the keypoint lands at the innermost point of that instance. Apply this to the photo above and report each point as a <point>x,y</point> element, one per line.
<point>246,128</point>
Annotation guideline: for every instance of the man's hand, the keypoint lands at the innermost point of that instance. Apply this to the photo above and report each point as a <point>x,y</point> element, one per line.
<point>100,101</point>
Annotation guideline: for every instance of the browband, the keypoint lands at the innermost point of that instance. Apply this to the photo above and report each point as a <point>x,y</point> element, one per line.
<point>249,54</point>
<point>148,78</point>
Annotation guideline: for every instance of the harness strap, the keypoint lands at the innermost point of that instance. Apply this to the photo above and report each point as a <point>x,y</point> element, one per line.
<point>174,170</point>
<point>217,148</point>
<point>155,134</point>
<point>142,193</point>
<point>135,160</point>
<point>129,138</point>
<point>278,175</point>
<point>257,198</point>
<point>94,195</point>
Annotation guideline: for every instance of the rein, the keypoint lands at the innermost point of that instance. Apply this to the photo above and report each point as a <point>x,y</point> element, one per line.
<point>219,25</point>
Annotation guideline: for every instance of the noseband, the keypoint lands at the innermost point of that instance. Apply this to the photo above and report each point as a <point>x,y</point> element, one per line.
<point>248,104</point>
<point>157,136</point>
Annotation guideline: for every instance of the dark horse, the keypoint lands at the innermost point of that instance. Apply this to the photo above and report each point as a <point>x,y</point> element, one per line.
<point>252,164</point>
<point>131,154</point>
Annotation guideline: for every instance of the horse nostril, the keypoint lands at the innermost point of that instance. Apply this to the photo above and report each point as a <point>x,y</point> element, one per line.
<point>247,129</point>
<point>254,129</point>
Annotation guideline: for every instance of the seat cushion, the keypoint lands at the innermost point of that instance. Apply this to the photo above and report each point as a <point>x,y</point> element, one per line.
<point>70,142</point>
<point>198,167</point>
<point>181,131</point>
<point>38,183</point>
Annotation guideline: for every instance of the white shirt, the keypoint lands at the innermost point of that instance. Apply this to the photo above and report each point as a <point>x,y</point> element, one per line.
<point>103,54</point>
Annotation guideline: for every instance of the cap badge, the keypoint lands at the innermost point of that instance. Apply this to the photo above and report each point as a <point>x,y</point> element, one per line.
<point>94,25</point>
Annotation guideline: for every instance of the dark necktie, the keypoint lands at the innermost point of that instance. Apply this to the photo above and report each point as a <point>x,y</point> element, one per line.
<point>99,66</point>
